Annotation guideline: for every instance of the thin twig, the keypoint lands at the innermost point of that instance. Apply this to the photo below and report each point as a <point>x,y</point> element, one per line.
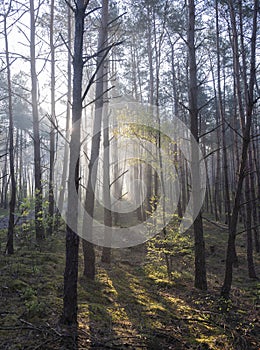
<point>126,171</point>
<point>252,228</point>
<point>72,9</point>
<point>98,67</point>
<point>56,127</point>
<point>115,19</point>
<point>210,131</point>
<point>231,127</point>
<point>97,98</point>
<point>210,153</point>
<point>95,9</point>
<point>67,46</point>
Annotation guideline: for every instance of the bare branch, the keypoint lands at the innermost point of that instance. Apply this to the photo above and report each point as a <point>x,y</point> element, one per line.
<point>3,155</point>
<point>87,58</point>
<point>115,19</point>
<point>56,127</point>
<point>116,179</point>
<point>210,131</point>
<point>183,105</point>
<point>67,46</point>
<point>210,153</point>
<point>252,228</point>
<point>97,98</point>
<point>118,199</point>
<point>216,224</point>
<point>205,104</point>
<point>95,9</point>
<point>231,127</point>
<point>97,68</point>
<point>71,7</point>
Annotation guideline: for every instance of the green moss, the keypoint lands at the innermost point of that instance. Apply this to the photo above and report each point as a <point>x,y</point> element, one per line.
<point>17,285</point>
<point>135,300</point>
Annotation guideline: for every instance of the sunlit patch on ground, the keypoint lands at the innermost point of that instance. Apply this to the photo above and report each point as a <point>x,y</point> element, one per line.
<point>131,304</point>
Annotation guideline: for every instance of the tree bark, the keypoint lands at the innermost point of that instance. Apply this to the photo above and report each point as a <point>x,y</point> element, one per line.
<point>12,203</point>
<point>88,248</point>
<point>69,315</point>
<point>39,230</point>
<point>52,130</point>
<point>200,263</point>
<point>108,220</point>
<point>248,226</point>
<point>68,119</point>
<point>223,127</point>
<point>256,215</point>
<point>225,291</point>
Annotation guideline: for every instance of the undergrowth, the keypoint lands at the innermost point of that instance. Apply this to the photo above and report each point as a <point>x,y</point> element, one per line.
<point>132,303</point>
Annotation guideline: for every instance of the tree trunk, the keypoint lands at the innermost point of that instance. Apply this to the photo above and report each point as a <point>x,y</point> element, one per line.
<point>12,203</point>
<point>68,122</point>
<point>256,215</point>
<point>39,230</point>
<point>248,225</point>
<point>52,131</point>
<point>88,248</point>
<point>69,315</point>
<point>200,263</point>
<point>242,170</point>
<point>106,252</point>
<point>4,176</point>
<point>223,127</point>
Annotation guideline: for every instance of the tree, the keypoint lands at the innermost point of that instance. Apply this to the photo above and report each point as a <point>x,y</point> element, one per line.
<point>106,252</point>
<point>222,119</point>
<point>200,264</point>
<point>68,116</point>
<point>39,230</point>
<point>69,316</point>
<point>12,203</point>
<point>250,102</point>
<point>52,131</point>
<point>102,51</point>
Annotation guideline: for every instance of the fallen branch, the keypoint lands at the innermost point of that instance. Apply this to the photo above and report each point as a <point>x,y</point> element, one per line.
<point>214,223</point>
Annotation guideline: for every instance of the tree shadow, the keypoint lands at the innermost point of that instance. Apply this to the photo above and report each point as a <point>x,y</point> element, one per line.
<point>154,318</point>
<point>69,339</point>
<point>96,326</point>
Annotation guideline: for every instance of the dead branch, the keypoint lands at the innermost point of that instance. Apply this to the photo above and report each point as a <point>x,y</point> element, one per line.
<point>112,183</point>
<point>98,67</point>
<point>210,131</point>
<point>216,224</point>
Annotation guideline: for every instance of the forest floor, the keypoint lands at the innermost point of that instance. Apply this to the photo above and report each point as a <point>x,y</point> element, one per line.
<point>131,304</point>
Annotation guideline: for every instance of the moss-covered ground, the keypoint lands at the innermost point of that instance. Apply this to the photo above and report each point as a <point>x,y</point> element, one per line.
<point>131,304</point>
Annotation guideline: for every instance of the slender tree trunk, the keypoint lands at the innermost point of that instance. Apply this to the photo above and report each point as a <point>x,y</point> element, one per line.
<point>218,175</point>
<point>39,230</point>
<point>223,127</point>
<point>116,185</point>
<point>4,176</point>
<point>176,114</point>
<point>68,120</point>
<point>256,214</point>
<point>12,203</point>
<point>200,263</point>
<point>52,131</point>
<point>242,170</point>
<point>21,177</point>
<point>148,169</point>
<point>88,248</point>
<point>106,252</point>
<point>248,225</point>
<point>70,306</point>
